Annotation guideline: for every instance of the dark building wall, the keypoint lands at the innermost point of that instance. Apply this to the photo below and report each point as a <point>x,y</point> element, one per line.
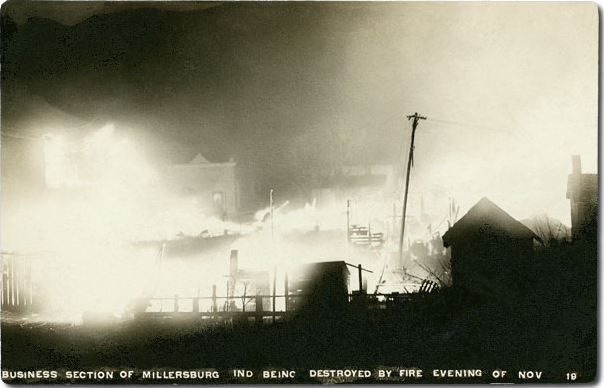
<point>490,250</point>
<point>489,267</point>
<point>323,287</point>
<point>582,190</point>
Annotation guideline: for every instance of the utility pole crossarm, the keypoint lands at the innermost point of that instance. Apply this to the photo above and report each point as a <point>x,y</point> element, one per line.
<point>416,116</point>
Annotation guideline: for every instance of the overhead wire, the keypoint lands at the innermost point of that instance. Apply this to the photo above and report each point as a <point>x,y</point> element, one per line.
<point>466,125</point>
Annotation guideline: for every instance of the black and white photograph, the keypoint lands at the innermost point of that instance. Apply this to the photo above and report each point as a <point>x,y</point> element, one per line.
<point>298,192</point>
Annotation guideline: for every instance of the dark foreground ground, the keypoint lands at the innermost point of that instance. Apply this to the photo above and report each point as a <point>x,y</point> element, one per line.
<point>549,326</point>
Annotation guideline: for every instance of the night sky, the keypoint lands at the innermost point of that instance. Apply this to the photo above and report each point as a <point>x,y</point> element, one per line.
<point>286,87</point>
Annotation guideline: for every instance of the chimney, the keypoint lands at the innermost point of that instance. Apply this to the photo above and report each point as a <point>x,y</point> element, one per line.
<point>234,262</point>
<point>576,164</point>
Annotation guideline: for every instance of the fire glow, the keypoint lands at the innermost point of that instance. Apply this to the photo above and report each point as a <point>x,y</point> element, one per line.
<point>95,212</point>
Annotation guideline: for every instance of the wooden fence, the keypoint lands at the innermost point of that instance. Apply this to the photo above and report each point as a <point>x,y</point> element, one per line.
<point>221,308</point>
<point>18,290</point>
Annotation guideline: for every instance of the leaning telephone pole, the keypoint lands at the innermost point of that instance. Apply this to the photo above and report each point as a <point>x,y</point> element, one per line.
<point>416,119</point>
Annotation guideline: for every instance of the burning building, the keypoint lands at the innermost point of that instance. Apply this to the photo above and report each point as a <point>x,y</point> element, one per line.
<point>214,185</point>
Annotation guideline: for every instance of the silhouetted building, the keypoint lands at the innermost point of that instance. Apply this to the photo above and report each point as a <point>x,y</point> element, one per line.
<point>489,249</point>
<point>582,190</point>
<point>319,286</point>
<point>213,185</point>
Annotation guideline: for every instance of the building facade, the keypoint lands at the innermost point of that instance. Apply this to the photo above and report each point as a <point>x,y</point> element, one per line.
<point>213,185</point>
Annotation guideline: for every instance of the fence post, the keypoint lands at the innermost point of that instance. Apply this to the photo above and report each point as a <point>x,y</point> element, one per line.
<point>176,303</point>
<point>226,307</point>
<point>31,287</point>
<point>360,279</point>
<point>214,308</point>
<point>12,282</point>
<point>286,289</point>
<point>5,293</point>
<point>274,292</point>
<point>259,316</point>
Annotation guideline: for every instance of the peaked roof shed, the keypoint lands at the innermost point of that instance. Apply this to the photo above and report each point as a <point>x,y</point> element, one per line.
<point>483,218</point>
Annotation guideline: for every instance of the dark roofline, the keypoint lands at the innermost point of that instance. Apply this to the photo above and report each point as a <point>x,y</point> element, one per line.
<point>327,263</point>
<point>484,201</point>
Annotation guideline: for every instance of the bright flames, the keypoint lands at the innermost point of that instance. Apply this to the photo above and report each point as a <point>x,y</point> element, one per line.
<point>96,211</point>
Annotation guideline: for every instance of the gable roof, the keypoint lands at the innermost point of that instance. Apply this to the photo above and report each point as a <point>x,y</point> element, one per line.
<point>484,213</point>
<point>199,159</point>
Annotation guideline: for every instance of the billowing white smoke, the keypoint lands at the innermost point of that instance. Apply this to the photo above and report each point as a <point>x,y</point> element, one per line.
<point>101,197</point>
<point>94,210</point>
